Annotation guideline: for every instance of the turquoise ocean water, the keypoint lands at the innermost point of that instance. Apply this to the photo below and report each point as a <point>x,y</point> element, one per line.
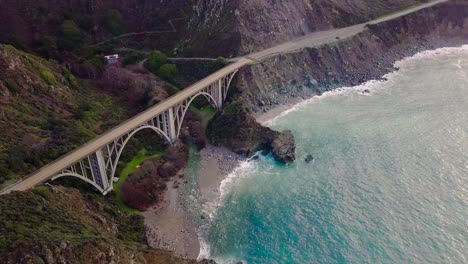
<point>388,184</point>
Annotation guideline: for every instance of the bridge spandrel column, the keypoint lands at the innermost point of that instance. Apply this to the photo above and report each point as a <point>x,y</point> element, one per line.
<point>172,126</point>
<point>98,169</point>
<point>220,94</point>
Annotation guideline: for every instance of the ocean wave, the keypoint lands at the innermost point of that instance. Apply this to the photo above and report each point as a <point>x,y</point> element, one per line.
<point>249,167</point>
<point>205,248</point>
<point>373,85</point>
<point>241,171</point>
<point>244,169</point>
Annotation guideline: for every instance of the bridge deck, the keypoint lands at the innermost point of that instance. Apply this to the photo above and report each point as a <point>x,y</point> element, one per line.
<point>310,40</point>
<point>46,172</point>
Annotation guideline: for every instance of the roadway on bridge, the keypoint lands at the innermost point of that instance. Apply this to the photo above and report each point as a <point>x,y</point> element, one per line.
<point>311,40</point>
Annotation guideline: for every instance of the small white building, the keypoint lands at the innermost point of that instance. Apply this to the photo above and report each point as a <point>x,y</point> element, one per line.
<point>112,59</point>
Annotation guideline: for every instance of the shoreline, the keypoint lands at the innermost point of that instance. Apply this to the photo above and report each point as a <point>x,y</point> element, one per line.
<point>168,225</point>
<point>174,223</point>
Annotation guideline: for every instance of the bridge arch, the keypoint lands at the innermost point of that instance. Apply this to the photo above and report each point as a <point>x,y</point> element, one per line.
<point>210,100</point>
<point>81,177</point>
<point>113,162</point>
<point>124,144</point>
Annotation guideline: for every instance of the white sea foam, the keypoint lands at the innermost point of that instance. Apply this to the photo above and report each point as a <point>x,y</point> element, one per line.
<point>205,249</point>
<point>360,89</point>
<point>241,171</point>
<point>374,84</point>
<point>249,166</point>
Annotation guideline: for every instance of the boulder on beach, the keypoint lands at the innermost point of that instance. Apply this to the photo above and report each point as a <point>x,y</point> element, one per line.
<point>167,170</point>
<point>284,147</point>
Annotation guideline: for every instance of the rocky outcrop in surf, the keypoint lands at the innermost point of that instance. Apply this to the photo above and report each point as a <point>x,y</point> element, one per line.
<point>236,129</point>
<point>283,147</point>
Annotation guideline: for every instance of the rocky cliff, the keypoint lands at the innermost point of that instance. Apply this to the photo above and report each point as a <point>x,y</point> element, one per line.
<point>236,129</point>
<point>236,27</point>
<point>197,28</point>
<point>349,62</point>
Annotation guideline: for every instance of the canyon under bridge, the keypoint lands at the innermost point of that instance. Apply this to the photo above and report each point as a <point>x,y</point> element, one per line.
<point>96,162</point>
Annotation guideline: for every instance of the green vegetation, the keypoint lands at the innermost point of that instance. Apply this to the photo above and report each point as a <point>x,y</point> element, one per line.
<point>207,114</point>
<point>48,218</point>
<point>167,72</point>
<point>41,124</point>
<point>133,57</point>
<point>156,59</point>
<point>70,36</point>
<point>157,64</point>
<point>114,22</point>
<point>222,61</point>
<point>48,77</point>
<point>70,77</point>
<point>12,85</point>
<point>129,168</point>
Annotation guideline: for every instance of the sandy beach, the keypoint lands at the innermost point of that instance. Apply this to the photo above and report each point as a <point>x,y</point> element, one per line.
<point>171,225</point>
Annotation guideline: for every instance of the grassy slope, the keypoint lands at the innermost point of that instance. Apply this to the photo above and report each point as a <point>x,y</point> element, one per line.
<point>46,112</point>
<point>66,224</point>
<point>127,170</point>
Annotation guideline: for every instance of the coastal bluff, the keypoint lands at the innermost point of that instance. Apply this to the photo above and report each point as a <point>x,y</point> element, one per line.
<point>236,129</point>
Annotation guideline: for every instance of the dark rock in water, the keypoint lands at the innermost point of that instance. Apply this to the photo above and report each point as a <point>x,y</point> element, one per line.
<point>256,157</point>
<point>236,129</point>
<point>366,91</point>
<point>284,147</point>
<point>309,158</point>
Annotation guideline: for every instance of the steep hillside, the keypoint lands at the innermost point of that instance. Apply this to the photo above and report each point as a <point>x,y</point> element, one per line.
<point>348,62</point>
<point>231,28</point>
<point>37,25</point>
<point>61,225</point>
<point>45,112</point>
<point>191,28</point>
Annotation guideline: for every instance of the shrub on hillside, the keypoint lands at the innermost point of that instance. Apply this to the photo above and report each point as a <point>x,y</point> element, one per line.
<point>142,193</point>
<point>12,86</point>
<point>70,36</point>
<point>167,72</point>
<point>156,59</point>
<point>114,22</point>
<point>133,57</point>
<point>48,77</point>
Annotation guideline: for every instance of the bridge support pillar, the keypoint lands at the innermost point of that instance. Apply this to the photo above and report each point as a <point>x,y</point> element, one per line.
<point>98,169</point>
<point>220,96</point>
<point>171,123</point>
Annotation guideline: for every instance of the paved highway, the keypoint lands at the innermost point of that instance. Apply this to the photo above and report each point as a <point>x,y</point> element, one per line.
<point>319,38</point>
<point>311,40</point>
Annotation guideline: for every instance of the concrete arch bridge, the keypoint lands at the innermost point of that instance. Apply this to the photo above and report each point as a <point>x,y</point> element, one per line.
<point>96,162</point>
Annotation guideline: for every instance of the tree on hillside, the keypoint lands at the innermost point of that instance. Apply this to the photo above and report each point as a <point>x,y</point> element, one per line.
<point>155,60</point>
<point>167,72</point>
<point>114,22</point>
<point>70,36</point>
